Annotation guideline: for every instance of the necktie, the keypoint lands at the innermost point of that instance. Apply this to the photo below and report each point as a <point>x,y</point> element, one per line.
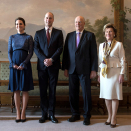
<point>48,36</point>
<point>77,39</point>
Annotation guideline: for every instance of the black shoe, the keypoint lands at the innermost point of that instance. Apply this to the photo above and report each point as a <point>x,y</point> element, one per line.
<point>112,126</point>
<point>86,121</point>
<point>42,119</point>
<point>23,120</point>
<point>53,119</point>
<point>18,120</point>
<point>107,123</point>
<point>73,118</point>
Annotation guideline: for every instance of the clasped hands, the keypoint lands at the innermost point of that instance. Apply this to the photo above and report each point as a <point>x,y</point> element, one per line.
<point>48,62</point>
<point>18,67</point>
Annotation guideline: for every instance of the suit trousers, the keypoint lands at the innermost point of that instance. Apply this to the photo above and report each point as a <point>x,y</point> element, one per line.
<point>48,76</point>
<point>74,93</point>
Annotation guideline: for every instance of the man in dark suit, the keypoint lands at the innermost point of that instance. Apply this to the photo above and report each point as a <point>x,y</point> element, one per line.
<point>48,45</point>
<point>80,63</point>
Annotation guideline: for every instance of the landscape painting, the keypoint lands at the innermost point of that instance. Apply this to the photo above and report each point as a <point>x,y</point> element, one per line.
<point>96,13</point>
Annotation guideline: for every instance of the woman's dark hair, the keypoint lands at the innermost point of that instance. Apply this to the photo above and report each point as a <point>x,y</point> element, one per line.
<point>109,25</point>
<point>20,18</point>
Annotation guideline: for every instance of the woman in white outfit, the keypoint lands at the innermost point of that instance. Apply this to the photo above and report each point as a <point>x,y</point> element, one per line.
<point>111,75</point>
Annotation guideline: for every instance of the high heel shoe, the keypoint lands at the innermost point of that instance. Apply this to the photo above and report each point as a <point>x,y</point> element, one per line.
<point>17,120</point>
<point>107,123</point>
<point>112,125</point>
<point>23,120</point>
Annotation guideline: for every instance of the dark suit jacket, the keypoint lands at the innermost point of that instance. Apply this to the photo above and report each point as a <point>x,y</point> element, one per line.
<point>84,58</point>
<point>53,50</point>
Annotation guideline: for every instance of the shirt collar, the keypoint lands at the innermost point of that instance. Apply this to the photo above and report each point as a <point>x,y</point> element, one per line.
<point>49,28</point>
<point>80,32</point>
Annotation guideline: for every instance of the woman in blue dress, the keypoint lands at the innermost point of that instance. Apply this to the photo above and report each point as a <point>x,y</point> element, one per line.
<point>20,51</point>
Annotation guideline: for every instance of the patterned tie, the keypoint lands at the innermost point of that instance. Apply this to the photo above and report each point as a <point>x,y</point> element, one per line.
<point>77,39</point>
<point>48,36</point>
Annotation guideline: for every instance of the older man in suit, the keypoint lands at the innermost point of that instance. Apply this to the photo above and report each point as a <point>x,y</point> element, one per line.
<point>80,63</point>
<point>48,45</point>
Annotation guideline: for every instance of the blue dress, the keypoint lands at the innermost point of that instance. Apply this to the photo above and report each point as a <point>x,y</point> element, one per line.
<point>20,51</point>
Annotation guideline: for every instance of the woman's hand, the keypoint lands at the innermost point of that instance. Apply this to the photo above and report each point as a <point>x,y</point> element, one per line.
<point>20,68</point>
<point>15,66</point>
<point>98,79</point>
<point>121,78</point>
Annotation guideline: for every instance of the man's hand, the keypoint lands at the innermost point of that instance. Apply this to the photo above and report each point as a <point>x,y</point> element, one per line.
<point>66,73</point>
<point>121,78</point>
<point>48,62</point>
<point>15,66</point>
<point>20,68</point>
<point>93,74</point>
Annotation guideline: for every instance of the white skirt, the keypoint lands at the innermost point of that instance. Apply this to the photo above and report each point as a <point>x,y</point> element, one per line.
<point>110,88</point>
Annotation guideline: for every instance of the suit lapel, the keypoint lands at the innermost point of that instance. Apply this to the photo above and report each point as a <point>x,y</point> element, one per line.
<point>74,41</point>
<point>44,35</point>
<point>82,39</point>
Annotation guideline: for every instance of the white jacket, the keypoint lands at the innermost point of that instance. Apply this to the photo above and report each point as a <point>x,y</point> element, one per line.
<point>116,57</point>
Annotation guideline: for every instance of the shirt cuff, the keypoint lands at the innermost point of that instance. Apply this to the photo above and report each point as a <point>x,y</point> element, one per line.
<point>51,59</point>
<point>23,65</point>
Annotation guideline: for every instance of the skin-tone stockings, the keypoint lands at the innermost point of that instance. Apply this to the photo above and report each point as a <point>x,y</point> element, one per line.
<point>112,107</point>
<point>25,97</point>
